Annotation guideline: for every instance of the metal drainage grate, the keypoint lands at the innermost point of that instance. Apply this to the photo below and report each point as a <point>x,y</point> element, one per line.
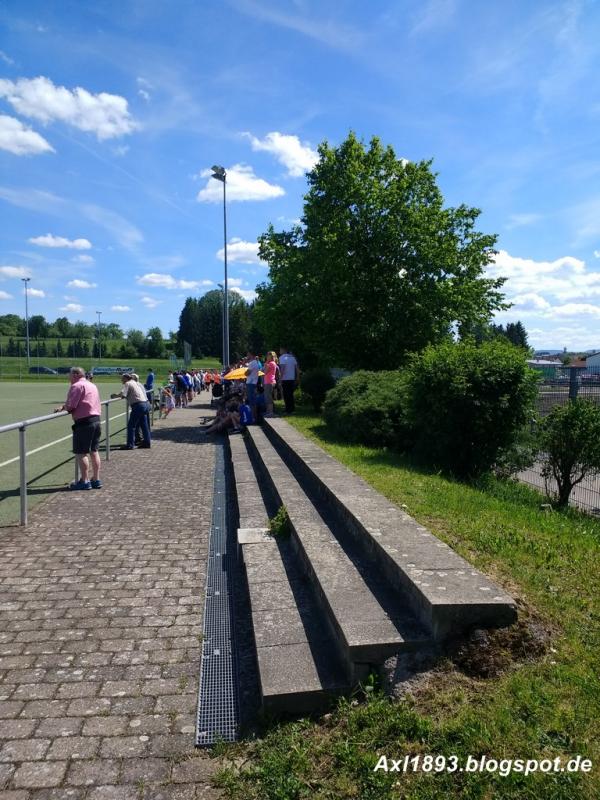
<point>218,705</point>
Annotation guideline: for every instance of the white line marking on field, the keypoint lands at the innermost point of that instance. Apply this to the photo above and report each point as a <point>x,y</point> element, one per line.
<point>56,441</point>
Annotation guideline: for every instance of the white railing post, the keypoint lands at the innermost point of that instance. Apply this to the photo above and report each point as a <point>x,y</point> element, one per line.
<point>107,431</point>
<point>23,473</point>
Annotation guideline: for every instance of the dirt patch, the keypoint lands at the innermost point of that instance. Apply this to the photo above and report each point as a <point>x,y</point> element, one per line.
<point>478,656</point>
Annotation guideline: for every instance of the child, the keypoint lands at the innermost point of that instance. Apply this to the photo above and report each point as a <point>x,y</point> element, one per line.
<point>245,414</point>
<point>168,403</point>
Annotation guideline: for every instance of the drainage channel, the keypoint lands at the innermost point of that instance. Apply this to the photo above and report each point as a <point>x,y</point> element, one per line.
<point>218,703</point>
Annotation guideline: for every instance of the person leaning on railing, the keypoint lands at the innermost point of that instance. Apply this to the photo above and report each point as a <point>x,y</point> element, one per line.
<point>83,403</point>
<point>135,394</point>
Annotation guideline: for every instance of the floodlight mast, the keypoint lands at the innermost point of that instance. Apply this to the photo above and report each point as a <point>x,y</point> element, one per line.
<point>219,174</point>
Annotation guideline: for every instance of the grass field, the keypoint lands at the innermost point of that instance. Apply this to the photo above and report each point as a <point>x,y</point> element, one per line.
<point>13,368</point>
<point>52,468</point>
<point>533,693</point>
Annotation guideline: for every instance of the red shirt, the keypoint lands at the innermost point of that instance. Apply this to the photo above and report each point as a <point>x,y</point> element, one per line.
<point>83,400</point>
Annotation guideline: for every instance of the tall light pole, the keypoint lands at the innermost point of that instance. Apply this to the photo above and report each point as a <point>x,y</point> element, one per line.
<point>223,345</point>
<point>99,339</point>
<point>219,174</point>
<point>26,281</point>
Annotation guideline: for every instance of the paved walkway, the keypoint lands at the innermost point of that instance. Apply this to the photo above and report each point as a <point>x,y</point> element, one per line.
<point>100,627</point>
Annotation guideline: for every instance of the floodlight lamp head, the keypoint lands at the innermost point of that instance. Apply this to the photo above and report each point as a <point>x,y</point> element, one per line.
<point>218,173</point>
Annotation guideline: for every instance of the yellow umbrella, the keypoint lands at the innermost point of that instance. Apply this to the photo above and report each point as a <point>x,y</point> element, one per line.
<point>238,374</point>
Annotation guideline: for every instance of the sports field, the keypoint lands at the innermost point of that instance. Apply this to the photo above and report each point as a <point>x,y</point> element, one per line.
<point>49,469</point>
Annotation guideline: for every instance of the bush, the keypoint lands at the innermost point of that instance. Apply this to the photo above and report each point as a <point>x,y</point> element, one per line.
<point>467,404</point>
<point>570,443</point>
<point>316,383</point>
<point>368,408</point>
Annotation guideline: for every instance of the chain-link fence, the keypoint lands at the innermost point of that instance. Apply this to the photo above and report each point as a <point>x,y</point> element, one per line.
<point>559,385</point>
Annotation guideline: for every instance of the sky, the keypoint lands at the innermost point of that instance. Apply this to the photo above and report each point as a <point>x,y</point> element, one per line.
<point>112,113</point>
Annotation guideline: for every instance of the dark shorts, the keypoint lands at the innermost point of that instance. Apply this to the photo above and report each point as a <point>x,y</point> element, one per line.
<point>86,435</point>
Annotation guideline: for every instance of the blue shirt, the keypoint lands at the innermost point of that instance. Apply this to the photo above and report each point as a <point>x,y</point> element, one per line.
<point>245,414</point>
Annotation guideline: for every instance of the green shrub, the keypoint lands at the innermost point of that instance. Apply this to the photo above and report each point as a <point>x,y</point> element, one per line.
<point>280,525</point>
<point>467,404</point>
<point>368,408</point>
<point>570,443</point>
<point>316,383</point>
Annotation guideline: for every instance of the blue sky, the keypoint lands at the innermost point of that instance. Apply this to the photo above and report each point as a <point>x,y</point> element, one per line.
<point>111,113</point>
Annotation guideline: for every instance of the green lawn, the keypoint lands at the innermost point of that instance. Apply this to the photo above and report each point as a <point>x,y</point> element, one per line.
<point>52,468</point>
<point>544,701</point>
<point>14,368</point>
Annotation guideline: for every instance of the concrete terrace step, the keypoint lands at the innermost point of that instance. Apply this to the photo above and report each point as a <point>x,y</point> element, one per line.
<point>292,649</point>
<point>445,592</point>
<point>366,632</point>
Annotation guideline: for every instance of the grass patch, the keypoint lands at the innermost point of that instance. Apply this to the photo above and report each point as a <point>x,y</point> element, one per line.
<point>535,702</point>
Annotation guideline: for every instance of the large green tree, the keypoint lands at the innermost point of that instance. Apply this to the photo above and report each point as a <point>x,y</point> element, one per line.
<point>201,324</point>
<point>378,267</point>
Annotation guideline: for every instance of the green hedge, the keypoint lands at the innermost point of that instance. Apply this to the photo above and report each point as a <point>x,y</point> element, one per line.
<point>369,408</point>
<point>466,404</point>
<point>458,407</point>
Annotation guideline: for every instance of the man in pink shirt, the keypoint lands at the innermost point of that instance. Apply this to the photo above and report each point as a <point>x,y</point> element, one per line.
<point>83,403</point>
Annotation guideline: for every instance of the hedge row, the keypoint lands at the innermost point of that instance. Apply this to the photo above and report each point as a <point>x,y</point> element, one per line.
<point>457,406</point>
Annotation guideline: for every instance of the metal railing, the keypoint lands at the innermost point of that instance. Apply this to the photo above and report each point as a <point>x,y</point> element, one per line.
<point>22,457</point>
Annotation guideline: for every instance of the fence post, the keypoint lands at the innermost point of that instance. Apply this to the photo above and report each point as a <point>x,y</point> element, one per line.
<point>107,431</point>
<point>573,383</point>
<point>23,473</point>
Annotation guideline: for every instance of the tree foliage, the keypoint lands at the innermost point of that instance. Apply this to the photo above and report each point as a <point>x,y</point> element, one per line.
<point>468,404</point>
<point>378,268</point>
<point>201,324</point>
<point>570,446</point>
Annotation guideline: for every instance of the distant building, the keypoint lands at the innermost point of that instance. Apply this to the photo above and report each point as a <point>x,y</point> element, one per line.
<point>593,360</point>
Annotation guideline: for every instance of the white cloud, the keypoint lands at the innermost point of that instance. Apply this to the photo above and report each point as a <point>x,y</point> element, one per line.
<point>150,302</point>
<point>49,240</point>
<point>596,253</point>
<point>5,58</point>
<point>72,308</point>
<point>242,184</point>
<point>297,157</point>
<point>575,310</point>
<point>144,95</point>
<point>120,308</point>
<point>15,272</point>
<point>529,302</point>
<point>20,140</point>
<point>5,296</point>
<point>83,259</point>
<point>78,284</point>
<point>248,294</point>
<point>105,115</point>
<point>35,292</point>
<point>240,251</point>
<point>165,281</point>
<point>546,291</point>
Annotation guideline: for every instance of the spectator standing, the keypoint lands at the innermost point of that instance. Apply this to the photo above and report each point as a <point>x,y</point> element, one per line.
<point>252,370</point>
<point>271,369</point>
<point>83,403</point>
<point>290,375</point>
<point>149,386</point>
<point>135,394</point>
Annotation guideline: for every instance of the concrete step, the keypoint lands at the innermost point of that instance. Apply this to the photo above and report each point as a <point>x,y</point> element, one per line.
<point>445,592</point>
<point>368,623</point>
<point>296,672</point>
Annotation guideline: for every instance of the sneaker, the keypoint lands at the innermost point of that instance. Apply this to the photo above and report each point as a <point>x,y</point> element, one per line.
<point>96,484</point>
<point>80,485</point>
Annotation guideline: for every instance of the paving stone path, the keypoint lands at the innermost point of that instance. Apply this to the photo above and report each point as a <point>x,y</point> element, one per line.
<point>101,601</point>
